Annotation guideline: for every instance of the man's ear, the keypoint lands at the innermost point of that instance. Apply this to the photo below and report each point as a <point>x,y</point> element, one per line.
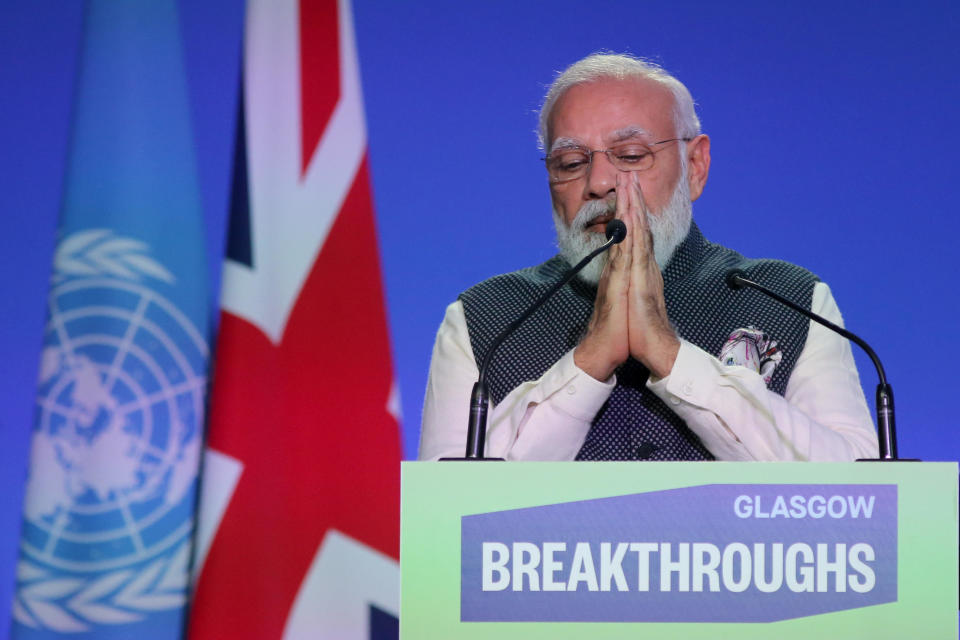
<point>698,164</point>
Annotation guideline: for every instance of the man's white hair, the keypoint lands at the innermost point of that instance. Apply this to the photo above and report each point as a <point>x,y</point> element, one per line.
<point>620,67</point>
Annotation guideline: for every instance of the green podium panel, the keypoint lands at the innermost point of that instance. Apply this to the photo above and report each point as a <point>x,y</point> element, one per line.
<point>678,550</point>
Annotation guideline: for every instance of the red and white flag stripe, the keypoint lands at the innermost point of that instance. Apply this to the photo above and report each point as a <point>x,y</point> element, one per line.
<point>299,523</point>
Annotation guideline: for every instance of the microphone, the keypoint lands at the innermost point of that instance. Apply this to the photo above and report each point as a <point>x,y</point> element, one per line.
<point>886,424</point>
<point>615,232</point>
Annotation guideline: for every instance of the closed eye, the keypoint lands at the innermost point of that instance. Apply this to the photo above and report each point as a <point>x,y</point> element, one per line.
<point>632,155</point>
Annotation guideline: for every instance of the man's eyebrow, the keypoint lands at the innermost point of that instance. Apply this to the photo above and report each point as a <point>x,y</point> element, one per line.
<point>565,143</point>
<point>626,133</point>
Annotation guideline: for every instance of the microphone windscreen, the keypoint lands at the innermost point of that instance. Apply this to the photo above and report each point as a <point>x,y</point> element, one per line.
<point>734,278</point>
<point>616,231</point>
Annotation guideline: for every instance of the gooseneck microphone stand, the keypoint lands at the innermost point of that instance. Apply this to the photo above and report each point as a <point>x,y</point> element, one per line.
<point>886,423</point>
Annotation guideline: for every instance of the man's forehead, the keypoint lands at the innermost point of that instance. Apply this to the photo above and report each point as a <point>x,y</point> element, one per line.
<point>609,110</point>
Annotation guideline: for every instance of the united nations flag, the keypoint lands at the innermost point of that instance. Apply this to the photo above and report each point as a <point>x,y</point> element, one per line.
<point>108,513</point>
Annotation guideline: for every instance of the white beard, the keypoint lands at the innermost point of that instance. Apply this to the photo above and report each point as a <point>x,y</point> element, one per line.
<point>669,227</point>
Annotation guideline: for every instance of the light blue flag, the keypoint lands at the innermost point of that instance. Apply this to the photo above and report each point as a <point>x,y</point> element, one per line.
<point>108,512</point>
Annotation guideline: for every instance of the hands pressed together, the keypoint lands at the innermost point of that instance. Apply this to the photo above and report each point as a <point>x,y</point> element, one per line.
<point>629,315</point>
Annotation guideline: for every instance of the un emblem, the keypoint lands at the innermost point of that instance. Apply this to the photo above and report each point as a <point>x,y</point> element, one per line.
<point>110,495</point>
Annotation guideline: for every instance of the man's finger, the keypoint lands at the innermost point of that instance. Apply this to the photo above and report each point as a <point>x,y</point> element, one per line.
<point>623,201</point>
<point>638,213</point>
<point>623,214</point>
<point>643,238</point>
<point>641,203</point>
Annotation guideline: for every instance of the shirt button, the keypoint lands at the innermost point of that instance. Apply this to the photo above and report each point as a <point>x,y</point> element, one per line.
<point>571,390</point>
<point>687,387</point>
<point>645,450</point>
<point>674,400</point>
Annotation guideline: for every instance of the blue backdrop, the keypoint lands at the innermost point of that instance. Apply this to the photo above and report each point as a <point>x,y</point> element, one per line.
<point>833,138</point>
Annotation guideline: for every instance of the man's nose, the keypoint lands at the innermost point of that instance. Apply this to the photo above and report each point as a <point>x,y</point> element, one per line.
<point>601,177</point>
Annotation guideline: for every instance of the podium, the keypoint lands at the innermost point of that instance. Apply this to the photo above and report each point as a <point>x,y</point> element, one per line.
<point>680,550</point>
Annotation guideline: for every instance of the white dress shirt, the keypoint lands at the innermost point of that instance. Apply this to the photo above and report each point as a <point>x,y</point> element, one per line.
<point>822,416</point>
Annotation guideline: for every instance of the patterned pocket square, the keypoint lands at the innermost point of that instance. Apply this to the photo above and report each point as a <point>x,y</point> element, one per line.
<point>753,349</point>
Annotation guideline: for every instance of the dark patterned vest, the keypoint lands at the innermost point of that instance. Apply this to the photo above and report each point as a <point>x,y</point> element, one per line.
<point>634,424</point>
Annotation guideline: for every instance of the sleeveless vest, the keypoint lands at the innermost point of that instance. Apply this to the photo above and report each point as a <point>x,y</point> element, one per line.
<point>634,424</point>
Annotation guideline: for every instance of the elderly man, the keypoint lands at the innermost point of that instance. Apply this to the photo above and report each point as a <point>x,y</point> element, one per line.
<point>647,355</point>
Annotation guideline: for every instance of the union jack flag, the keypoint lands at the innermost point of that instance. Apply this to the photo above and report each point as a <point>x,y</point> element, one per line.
<point>299,525</point>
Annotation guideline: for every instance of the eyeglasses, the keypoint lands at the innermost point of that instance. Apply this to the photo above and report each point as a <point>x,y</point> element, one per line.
<point>564,165</point>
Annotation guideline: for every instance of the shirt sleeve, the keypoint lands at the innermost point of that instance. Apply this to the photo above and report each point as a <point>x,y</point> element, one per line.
<point>544,419</point>
<point>822,416</point>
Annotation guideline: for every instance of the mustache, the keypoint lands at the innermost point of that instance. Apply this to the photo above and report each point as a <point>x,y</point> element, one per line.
<point>592,210</point>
